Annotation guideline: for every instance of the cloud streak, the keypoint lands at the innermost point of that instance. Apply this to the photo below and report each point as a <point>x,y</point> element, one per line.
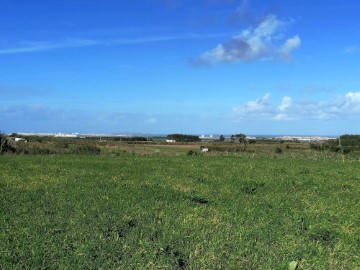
<point>39,46</point>
<point>346,106</point>
<point>9,93</point>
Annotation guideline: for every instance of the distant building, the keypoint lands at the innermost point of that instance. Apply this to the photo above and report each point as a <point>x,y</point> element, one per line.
<point>170,141</point>
<point>208,138</point>
<point>64,135</point>
<point>20,140</point>
<point>205,150</point>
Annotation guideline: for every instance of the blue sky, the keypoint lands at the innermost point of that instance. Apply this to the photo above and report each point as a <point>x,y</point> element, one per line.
<point>180,66</point>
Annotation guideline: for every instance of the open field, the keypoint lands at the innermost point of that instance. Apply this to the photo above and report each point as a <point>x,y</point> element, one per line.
<point>179,212</point>
<point>261,148</point>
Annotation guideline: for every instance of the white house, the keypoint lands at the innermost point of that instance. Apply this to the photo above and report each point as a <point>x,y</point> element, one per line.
<point>170,141</point>
<point>20,140</point>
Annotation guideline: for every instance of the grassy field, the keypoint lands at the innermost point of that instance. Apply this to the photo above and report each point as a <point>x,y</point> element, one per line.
<point>178,212</point>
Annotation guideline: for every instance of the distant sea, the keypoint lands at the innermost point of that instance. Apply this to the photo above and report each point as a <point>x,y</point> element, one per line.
<point>203,135</point>
<point>249,135</point>
<point>292,135</point>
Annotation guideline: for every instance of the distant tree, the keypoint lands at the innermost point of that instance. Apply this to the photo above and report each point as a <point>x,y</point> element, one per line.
<point>241,137</point>
<point>221,138</point>
<point>134,139</point>
<point>345,144</point>
<point>349,140</point>
<point>183,138</point>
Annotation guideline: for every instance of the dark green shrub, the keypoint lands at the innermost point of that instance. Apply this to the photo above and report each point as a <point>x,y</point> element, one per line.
<point>5,146</point>
<point>61,144</point>
<point>28,149</point>
<point>191,153</point>
<point>21,149</point>
<point>318,147</point>
<point>87,150</point>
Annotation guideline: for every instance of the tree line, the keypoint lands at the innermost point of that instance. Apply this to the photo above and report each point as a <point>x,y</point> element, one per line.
<point>183,138</point>
<point>349,140</point>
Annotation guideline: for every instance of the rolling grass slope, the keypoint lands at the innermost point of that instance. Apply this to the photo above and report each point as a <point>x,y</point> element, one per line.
<point>202,212</point>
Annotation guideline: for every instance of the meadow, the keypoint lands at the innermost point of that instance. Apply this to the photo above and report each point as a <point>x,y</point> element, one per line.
<point>130,211</point>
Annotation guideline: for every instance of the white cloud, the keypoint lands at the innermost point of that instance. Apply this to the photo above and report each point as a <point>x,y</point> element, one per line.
<point>353,101</point>
<point>151,120</point>
<point>282,117</point>
<point>346,106</point>
<point>258,108</point>
<point>353,97</point>
<point>258,105</point>
<point>290,45</point>
<point>253,44</point>
<point>285,103</point>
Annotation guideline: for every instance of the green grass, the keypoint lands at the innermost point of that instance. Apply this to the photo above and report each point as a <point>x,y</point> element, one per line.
<point>202,212</point>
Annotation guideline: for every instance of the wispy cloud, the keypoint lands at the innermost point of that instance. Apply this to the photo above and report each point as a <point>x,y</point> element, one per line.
<point>9,93</point>
<point>243,14</point>
<point>38,46</point>
<point>152,120</point>
<point>306,89</point>
<point>351,49</point>
<point>345,106</point>
<point>24,113</point>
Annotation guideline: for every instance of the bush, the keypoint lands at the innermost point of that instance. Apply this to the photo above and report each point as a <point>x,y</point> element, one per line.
<point>28,149</point>
<point>317,147</point>
<point>191,153</point>
<point>61,144</point>
<point>87,150</point>
<point>5,146</point>
<point>278,150</point>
